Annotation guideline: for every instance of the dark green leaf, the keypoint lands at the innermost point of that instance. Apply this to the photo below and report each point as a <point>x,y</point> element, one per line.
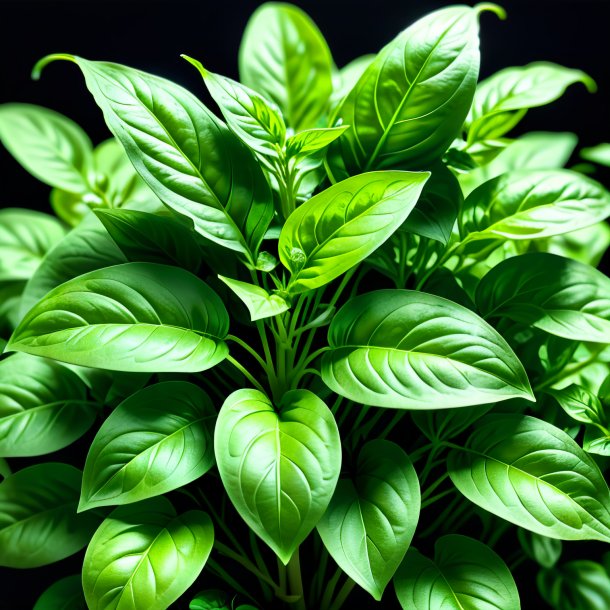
<point>279,465</point>
<point>38,520</point>
<point>555,294</point>
<point>580,404</point>
<point>213,599</point>
<point>533,474</point>
<point>43,406</point>
<point>371,519</point>
<point>136,317</point>
<point>465,574</point>
<point>443,424</point>
<point>157,440</point>
<point>65,594</point>
<point>145,556</point>
<point>543,550</point>
<point>411,350</point>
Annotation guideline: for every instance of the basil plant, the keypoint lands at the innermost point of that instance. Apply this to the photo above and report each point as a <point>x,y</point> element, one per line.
<point>342,343</point>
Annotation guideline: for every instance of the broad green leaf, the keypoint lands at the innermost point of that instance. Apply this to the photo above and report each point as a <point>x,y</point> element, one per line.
<point>438,206</point>
<point>411,101</point>
<point>86,248</point>
<point>443,424</point>
<point>311,141</point>
<point>257,121</point>
<point>405,349</point>
<point>530,204</point>
<point>543,550</point>
<point>157,440</point>
<point>136,317</point>
<point>25,237</point>
<point>464,575</point>
<point>279,465</point>
<point>145,237</point>
<point>502,100</point>
<point>596,440</point>
<point>65,594</point>
<point>260,303</point>
<point>598,154</point>
<point>38,520</point>
<point>555,294</point>
<point>50,146</point>
<point>212,599</point>
<point>534,475</point>
<point>575,585</point>
<point>10,302</point>
<point>535,150</point>
<point>145,556</point>
<point>187,156</point>
<point>43,406</point>
<point>371,519</point>
<point>580,404</point>
<point>284,56</point>
<point>342,225</point>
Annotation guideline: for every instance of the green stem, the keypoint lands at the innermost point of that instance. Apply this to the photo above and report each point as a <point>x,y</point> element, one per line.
<point>246,374</point>
<point>249,349</point>
<point>433,499</point>
<point>397,418</point>
<point>440,262</point>
<point>568,370</point>
<point>224,575</point>
<point>295,580</point>
<point>330,590</point>
<point>343,594</point>
<point>434,485</point>
<point>258,557</point>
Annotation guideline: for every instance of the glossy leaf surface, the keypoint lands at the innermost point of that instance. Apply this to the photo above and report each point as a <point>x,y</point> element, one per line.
<point>342,225</point>
<point>411,350</point>
<point>371,519</point>
<point>279,465</point>
<point>533,474</point>
<point>138,317</point>
<point>157,440</point>
<point>260,303</point>
<point>144,556</point>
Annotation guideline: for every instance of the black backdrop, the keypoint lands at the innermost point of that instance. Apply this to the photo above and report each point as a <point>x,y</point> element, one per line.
<point>151,35</point>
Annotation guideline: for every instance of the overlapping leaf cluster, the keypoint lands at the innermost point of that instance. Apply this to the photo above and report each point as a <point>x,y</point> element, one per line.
<point>347,323</point>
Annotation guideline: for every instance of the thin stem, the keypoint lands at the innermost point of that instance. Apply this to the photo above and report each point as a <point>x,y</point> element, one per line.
<point>397,418</point>
<point>224,575</point>
<point>258,557</point>
<point>246,374</point>
<point>343,594</point>
<point>249,349</point>
<point>434,485</point>
<point>295,580</point>
<point>433,499</point>
<point>330,590</point>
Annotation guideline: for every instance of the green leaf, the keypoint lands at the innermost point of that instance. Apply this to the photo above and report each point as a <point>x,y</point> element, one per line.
<point>533,474</point>
<point>157,440</point>
<point>25,237</point>
<point>260,303</point>
<point>405,349</point>
<point>557,295</point>
<point>43,406</point>
<point>279,465</point>
<point>345,79</point>
<point>257,121</point>
<point>598,154</point>
<point>543,550</point>
<point>38,520</point>
<point>534,150</point>
<point>5,469</point>
<point>465,574</point>
<point>411,101</point>
<point>596,440</point>
<point>145,237</point>
<point>437,209</point>
<point>136,317</point>
<point>530,204</point>
<point>575,585</point>
<point>47,144</point>
<point>187,156</point>
<point>342,225</point>
<point>284,56</point>
<point>65,594</point>
<point>310,141</point>
<point>371,519</point>
<point>212,599</point>
<point>145,556</point>
<point>86,248</point>
<point>501,100</point>
<point>580,404</point>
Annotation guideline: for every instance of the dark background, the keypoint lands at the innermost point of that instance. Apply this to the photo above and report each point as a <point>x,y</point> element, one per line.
<point>151,35</point>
